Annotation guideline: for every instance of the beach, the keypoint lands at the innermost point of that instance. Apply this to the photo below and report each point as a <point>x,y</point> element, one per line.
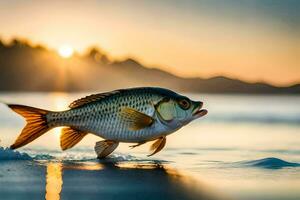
<point>245,148</point>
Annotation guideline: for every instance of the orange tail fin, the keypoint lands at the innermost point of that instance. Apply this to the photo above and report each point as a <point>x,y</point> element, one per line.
<point>35,127</point>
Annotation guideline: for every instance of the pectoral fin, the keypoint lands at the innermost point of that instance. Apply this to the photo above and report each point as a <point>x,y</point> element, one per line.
<point>105,147</point>
<point>158,145</point>
<point>135,119</point>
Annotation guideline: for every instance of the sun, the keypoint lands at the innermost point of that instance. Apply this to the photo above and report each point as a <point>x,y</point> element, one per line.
<point>65,51</point>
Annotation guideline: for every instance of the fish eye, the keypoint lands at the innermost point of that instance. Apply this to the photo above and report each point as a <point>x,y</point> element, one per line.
<point>184,104</point>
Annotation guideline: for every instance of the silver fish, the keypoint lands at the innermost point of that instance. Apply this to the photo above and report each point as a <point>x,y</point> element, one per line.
<point>135,115</point>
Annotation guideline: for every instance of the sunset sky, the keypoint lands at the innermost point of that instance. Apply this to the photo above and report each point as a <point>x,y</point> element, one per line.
<point>254,40</point>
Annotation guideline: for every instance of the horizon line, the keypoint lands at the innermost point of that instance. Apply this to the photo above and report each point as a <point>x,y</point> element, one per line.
<point>87,51</point>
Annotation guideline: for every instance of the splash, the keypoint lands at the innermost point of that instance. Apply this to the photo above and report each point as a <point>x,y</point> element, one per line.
<point>8,154</point>
<point>71,156</point>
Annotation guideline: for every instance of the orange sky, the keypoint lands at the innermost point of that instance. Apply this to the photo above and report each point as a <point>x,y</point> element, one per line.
<point>249,40</point>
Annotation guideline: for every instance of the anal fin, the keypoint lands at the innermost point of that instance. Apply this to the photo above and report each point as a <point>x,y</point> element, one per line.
<point>70,137</point>
<point>158,145</point>
<point>105,147</point>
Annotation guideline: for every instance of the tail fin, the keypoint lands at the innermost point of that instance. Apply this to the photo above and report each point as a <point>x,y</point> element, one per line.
<point>35,127</point>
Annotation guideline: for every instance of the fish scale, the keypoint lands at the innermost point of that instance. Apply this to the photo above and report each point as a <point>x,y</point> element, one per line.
<point>102,117</point>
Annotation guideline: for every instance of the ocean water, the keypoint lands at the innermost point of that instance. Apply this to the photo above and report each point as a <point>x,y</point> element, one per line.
<point>247,147</point>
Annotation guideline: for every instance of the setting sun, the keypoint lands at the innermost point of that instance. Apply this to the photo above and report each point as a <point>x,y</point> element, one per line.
<point>65,51</point>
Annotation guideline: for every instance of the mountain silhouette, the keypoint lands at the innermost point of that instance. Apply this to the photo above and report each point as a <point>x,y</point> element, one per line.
<point>24,67</point>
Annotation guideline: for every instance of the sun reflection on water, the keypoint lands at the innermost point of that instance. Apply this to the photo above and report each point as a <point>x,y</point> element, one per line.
<point>152,172</point>
<point>54,181</point>
<point>89,166</point>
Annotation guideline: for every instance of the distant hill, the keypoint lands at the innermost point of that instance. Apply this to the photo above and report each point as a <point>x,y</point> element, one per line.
<point>27,68</point>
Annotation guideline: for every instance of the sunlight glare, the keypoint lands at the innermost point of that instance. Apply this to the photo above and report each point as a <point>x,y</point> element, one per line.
<point>54,181</point>
<point>61,103</point>
<point>65,51</point>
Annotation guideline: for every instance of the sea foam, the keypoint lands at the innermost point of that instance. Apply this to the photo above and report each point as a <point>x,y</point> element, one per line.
<point>9,154</point>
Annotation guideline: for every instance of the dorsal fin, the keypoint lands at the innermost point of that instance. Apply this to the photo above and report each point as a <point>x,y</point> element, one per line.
<point>91,98</point>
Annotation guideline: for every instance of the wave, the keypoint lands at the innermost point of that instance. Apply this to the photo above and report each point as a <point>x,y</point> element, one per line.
<point>8,154</point>
<point>268,163</point>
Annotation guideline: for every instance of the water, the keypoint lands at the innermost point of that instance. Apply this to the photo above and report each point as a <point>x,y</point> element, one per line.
<point>247,147</point>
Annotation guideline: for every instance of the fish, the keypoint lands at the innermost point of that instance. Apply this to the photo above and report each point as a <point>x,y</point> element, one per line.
<point>133,115</point>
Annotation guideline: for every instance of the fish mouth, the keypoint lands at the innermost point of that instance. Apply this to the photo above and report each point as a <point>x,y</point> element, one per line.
<point>198,112</point>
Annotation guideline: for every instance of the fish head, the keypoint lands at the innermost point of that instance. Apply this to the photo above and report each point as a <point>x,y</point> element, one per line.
<point>179,111</point>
